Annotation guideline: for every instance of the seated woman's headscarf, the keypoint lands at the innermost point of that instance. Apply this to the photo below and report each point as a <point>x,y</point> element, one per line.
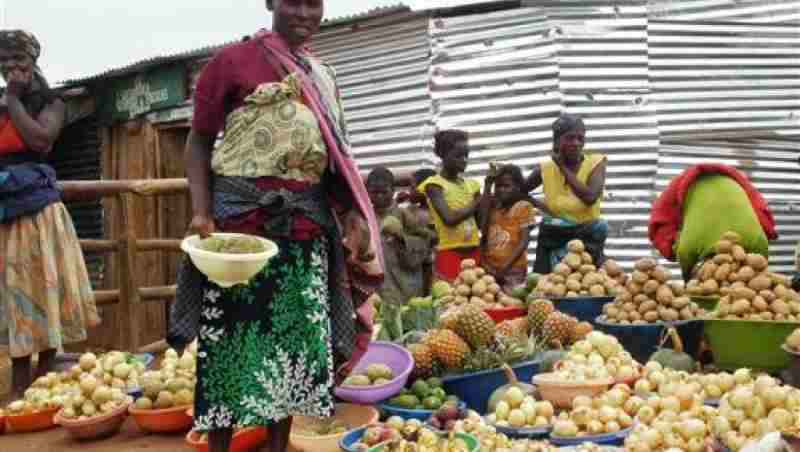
<point>565,123</point>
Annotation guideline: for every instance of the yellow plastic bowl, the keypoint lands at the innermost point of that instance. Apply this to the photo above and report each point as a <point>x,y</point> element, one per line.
<point>226,269</point>
<point>355,416</point>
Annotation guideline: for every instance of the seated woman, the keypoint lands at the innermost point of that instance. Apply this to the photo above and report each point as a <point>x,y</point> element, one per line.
<point>699,206</point>
<point>573,182</point>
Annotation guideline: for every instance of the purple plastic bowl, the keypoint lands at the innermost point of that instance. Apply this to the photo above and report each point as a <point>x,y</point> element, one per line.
<point>394,356</point>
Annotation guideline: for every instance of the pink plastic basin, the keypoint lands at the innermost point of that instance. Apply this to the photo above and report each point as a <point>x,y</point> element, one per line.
<point>396,357</point>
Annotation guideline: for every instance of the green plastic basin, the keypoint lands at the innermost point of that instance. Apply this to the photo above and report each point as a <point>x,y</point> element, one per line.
<point>749,343</point>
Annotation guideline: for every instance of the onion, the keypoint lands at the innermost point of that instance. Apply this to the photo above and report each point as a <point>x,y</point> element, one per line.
<point>646,414</point>
<point>720,426</point>
<point>696,445</point>
<point>693,428</point>
<point>781,418</point>
<point>747,427</point>
<point>671,403</point>
<point>775,397</point>
<point>741,398</point>
<point>632,405</point>
<point>726,381</point>
<point>736,417</point>
<point>607,414</point>
<point>763,383</point>
<point>582,400</point>
<point>615,397</point>
<point>742,376</point>
<point>765,426</point>
<point>652,437</point>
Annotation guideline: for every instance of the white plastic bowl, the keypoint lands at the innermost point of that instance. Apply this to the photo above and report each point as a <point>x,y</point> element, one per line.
<point>227,269</point>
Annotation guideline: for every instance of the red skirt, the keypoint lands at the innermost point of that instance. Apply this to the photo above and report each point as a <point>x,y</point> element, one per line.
<point>447,264</point>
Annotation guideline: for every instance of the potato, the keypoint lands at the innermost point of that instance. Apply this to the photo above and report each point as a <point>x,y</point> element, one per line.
<point>463,290</point>
<point>780,280</point>
<point>650,316</point>
<point>677,288</point>
<point>792,295</point>
<point>710,287</point>
<point>724,291</point>
<point>664,295</point>
<point>738,285</point>
<point>587,268</point>
<point>634,316</point>
<point>641,298</point>
<point>576,246</point>
<point>767,315</point>
<point>732,237</point>
<point>670,315</point>
<point>573,260</point>
<point>586,258</point>
<point>576,276</point>
<point>562,269</point>
<point>795,307</point>
<point>746,273</point>
<point>468,263</point>
<point>572,294</point>
<point>647,306</point>
<point>645,265</point>
<point>744,293</point>
<point>559,290</point>
<point>640,277</point>
<point>680,303</point>
<point>759,283</point>
<point>650,287</point>
<point>780,307</point>
<point>573,285</point>
<point>723,247</point>
<point>693,287</point>
<point>613,311</point>
<point>722,272</point>
<point>633,288</point>
<point>624,297</point>
<point>660,274</point>
<point>707,271</point>
<point>479,272</point>
<point>612,268</point>
<point>739,253</point>
<point>720,259</point>
<point>757,262</point>
<point>622,317</point>
<point>459,300</point>
<point>628,307</point>
<point>740,306</point>
<point>557,279</point>
<point>780,291</point>
<point>494,288</point>
<point>686,314</point>
<point>597,290</point>
<point>759,303</point>
<point>469,277</point>
<point>611,286</point>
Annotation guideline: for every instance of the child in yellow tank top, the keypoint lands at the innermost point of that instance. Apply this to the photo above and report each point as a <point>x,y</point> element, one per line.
<point>453,202</point>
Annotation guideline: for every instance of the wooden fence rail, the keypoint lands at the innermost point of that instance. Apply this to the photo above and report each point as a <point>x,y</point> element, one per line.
<point>130,296</point>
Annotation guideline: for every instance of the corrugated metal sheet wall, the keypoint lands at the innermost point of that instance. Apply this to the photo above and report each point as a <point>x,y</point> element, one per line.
<point>716,77</point>
<point>505,76</point>
<point>382,69</point>
<point>752,11</point>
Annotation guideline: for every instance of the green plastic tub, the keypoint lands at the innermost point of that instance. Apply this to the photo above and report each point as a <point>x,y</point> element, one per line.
<point>749,343</point>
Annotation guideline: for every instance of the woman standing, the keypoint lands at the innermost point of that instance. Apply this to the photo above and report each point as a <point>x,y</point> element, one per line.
<point>274,348</point>
<point>46,298</point>
<point>573,181</point>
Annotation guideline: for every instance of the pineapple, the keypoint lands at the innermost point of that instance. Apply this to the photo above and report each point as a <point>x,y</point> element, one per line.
<point>555,329</point>
<point>448,347</point>
<point>538,310</point>
<point>581,330</point>
<point>449,319</point>
<point>571,326</point>
<point>423,360</point>
<point>475,326</point>
<point>514,327</point>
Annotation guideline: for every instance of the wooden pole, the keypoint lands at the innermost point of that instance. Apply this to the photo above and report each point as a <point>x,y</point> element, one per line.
<point>128,277</point>
<point>159,245</point>
<point>77,190</point>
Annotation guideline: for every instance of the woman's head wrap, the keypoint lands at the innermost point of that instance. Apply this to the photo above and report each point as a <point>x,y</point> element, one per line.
<point>20,40</point>
<point>565,123</point>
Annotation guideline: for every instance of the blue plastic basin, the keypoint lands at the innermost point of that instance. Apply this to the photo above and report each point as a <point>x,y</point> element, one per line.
<point>475,389</point>
<point>350,438</point>
<point>609,439</point>
<point>422,415</point>
<point>641,341</point>
<point>585,309</point>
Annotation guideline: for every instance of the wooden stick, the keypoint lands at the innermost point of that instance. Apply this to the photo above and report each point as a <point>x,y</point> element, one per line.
<point>106,297</point>
<point>76,190</point>
<point>98,246</point>
<point>159,245</point>
<point>128,277</point>
<point>157,293</point>
<point>155,348</point>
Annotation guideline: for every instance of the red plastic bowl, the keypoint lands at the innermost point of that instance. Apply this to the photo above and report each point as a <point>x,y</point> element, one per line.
<point>243,440</point>
<point>501,314</point>
<point>2,424</point>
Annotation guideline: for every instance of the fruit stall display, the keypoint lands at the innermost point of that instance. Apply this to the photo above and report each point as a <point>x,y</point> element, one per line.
<point>476,287</point>
<point>172,385</point>
<point>576,275</point>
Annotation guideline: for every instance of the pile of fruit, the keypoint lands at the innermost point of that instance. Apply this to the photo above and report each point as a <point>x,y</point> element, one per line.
<point>747,289</point>
<point>669,433</point>
<point>35,401</point>
<point>486,434</point>
<point>576,275</point>
<point>662,381</point>
<point>446,417</point>
<point>398,435</point>
<point>94,399</point>
<point>529,445</point>
<point>467,339</point>
<point>173,384</point>
<point>119,370</point>
<point>475,287</point>
<point>598,416</point>
<point>374,375</point>
<point>599,356</point>
<point>649,297</point>
<point>423,394</point>
<point>324,427</point>
<point>752,411</point>
<point>554,327</point>
<point>232,245</point>
<point>519,410</point>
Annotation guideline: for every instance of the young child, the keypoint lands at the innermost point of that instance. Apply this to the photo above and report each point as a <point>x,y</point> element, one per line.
<point>453,202</point>
<point>405,248</point>
<point>508,221</point>
<point>417,209</point>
